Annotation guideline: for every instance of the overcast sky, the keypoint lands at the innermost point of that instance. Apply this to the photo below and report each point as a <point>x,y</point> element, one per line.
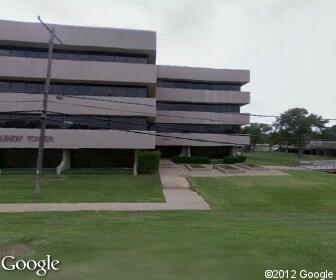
<point>289,45</point>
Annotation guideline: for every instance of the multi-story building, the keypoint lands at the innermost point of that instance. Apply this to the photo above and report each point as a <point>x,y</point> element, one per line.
<point>108,98</point>
<point>199,110</point>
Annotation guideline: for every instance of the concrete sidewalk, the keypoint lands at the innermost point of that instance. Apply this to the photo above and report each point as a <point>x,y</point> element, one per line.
<point>176,190</point>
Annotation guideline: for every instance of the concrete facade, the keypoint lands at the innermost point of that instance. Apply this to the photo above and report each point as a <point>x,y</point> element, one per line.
<point>201,77</point>
<point>105,90</point>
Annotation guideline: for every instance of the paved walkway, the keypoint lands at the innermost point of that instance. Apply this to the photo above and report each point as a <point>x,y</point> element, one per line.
<point>176,190</point>
<point>170,169</point>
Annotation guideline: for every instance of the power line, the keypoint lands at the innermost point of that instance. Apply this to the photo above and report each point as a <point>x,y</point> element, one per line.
<point>184,130</point>
<point>108,100</point>
<point>142,113</point>
<point>178,130</point>
<point>166,136</point>
<point>141,104</point>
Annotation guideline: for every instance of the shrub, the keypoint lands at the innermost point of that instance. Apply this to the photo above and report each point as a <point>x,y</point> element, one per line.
<point>233,159</point>
<point>241,159</point>
<point>148,162</point>
<point>192,159</point>
<point>229,159</point>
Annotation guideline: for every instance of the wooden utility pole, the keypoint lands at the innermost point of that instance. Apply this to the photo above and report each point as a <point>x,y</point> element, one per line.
<point>39,163</point>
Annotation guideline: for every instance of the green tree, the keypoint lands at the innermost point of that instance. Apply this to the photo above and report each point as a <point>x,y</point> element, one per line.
<point>296,126</point>
<point>329,133</point>
<point>258,133</point>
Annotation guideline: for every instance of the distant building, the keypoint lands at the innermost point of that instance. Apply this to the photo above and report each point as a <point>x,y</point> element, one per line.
<point>325,148</point>
<point>108,98</point>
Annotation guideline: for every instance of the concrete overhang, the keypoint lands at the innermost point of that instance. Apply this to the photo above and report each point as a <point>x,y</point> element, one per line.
<point>199,74</point>
<point>31,34</point>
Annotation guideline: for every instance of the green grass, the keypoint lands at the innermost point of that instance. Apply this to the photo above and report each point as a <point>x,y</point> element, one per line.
<point>82,188</point>
<point>256,223</point>
<point>26,171</point>
<point>280,158</point>
<point>105,171</point>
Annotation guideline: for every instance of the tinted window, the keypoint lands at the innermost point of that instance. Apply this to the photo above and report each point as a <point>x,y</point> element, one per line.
<point>18,87</point>
<point>5,52</point>
<point>74,89</point>
<point>5,87</point>
<point>34,88</point>
<point>197,128</point>
<point>74,55</point>
<point>197,85</point>
<point>217,108</point>
<point>142,92</point>
<point>73,122</point>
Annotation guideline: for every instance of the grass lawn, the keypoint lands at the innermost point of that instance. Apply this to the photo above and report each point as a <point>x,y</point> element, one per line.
<point>280,158</point>
<point>82,188</point>
<point>256,223</point>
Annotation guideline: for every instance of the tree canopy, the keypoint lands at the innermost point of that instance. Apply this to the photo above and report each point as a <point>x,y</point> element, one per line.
<point>258,132</point>
<point>297,126</point>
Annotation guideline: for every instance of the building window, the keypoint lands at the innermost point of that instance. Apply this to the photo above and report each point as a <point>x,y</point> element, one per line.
<point>58,121</point>
<point>5,87</point>
<point>215,108</point>
<point>197,85</point>
<point>74,89</point>
<point>197,128</point>
<point>74,55</point>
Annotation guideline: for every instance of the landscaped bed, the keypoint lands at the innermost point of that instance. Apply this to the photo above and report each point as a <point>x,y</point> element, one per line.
<point>255,223</point>
<point>250,166</point>
<point>197,167</point>
<point>82,188</point>
<point>229,168</point>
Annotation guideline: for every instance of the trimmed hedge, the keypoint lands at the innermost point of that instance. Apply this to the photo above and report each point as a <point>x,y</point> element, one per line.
<point>234,159</point>
<point>192,159</point>
<point>148,162</point>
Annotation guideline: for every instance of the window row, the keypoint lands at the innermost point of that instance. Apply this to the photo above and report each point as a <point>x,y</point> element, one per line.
<point>198,128</point>
<point>73,122</point>
<point>216,108</point>
<point>74,89</point>
<point>73,55</point>
<point>197,85</point>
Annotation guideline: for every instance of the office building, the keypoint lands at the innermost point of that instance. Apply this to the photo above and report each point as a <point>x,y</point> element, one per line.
<point>108,98</point>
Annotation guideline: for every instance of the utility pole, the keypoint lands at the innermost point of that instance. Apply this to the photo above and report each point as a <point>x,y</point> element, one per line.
<point>39,163</point>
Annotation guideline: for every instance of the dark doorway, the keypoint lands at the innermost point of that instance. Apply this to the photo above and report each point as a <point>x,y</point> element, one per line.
<point>26,158</point>
<point>101,158</point>
<point>170,151</point>
<point>212,152</point>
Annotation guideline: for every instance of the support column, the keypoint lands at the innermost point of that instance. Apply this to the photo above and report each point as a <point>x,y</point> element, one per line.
<point>135,164</point>
<point>65,163</point>
<point>186,151</point>
<point>234,151</point>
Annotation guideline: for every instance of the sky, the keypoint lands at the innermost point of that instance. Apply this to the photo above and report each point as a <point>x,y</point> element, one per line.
<point>288,45</point>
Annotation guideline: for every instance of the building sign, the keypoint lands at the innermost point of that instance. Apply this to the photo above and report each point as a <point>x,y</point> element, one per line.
<point>24,138</point>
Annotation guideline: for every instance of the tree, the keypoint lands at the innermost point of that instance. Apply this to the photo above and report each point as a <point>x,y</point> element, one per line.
<point>297,126</point>
<point>329,133</point>
<point>257,132</point>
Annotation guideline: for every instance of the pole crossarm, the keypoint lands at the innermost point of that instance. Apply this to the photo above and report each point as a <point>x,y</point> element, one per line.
<point>50,29</point>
